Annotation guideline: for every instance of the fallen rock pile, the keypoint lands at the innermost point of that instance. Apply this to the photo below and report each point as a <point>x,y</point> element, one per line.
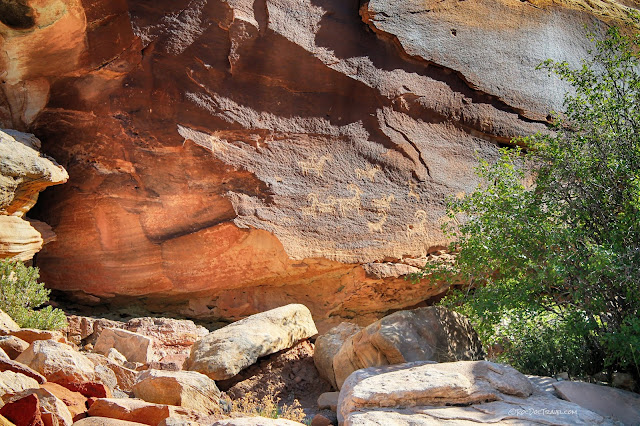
<point>108,373</point>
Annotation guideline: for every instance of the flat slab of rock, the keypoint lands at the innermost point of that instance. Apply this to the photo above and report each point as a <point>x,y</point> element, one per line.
<point>609,402</point>
<point>224,352</point>
<point>30,335</point>
<point>17,367</point>
<point>58,362</point>
<point>136,410</point>
<point>188,389</point>
<point>134,346</point>
<point>104,421</point>
<point>7,324</point>
<point>12,383</point>
<point>424,334</point>
<point>328,345</point>
<point>425,383</point>
<point>76,402</point>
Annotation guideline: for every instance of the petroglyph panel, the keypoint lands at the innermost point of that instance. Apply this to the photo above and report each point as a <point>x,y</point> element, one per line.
<point>339,194</point>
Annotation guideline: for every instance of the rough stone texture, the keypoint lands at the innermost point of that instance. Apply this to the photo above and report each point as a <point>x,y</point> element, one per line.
<point>227,157</point>
<point>75,401</point>
<point>187,389</point>
<point>609,402</point>
<point>464,392</point>
<point>90,389</point>
<point>53,410</point>
<point>171,338</point>
<point>58,362</point>
<point>328,345</point>
<point>424,334</point>
<point>7,324</point>
<point>12,345</point>
<point>12,383</point>
<point>329,400</point>
<point>17,367</point>
<point>82,330</point>
<point>5,422</point>
<point>135,409</point>
<point>134,346</point>
<point>104,421</point>
<point>25,411</point>
<point>30,335</point>
<point>125,377</point>
<point>224,352</point>
<point>24,172</point>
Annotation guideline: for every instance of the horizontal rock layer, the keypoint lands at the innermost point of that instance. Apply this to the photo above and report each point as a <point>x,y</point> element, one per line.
<point>227,157</point>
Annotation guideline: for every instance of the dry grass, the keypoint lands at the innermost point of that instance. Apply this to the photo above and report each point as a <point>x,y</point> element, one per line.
<point>267,406</point>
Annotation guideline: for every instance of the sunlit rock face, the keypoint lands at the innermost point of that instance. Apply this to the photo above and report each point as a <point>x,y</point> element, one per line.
<point>227,157</point>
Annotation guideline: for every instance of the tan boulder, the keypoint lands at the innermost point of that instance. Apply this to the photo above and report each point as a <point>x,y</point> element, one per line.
<point>19,240</point>
<point>30,335</point>
<point>125,377</point>
<point>136,410</point>
<point>7,324</point>
<point>24,172</point>
<point>17,367</point>
<point>328,400</point>
<point>170,336</point>
<point>224,352</point>
<point>12,383</point>
<point>471,392</point>
<point>104,421</point>
<point>58,362</point>
<point>13,346</point>
<point>187,389</point>
<point>328,345</point>
<point>423,334</point>
<point>134,346</point>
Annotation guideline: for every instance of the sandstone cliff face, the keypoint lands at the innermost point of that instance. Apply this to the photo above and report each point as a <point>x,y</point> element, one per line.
<point>227,157</point>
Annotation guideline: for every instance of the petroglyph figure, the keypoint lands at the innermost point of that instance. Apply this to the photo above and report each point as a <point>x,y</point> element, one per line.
<point>318,207</point>
<point>353,203</point>
<point>383,204</point>
<point>420,226</point>
<point>377,226</point>
<point>314,165</point>
<point>412,191</point>
<point>369,173</point>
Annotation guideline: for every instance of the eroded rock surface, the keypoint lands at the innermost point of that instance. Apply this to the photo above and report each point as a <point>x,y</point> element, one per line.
<point>227,157</point>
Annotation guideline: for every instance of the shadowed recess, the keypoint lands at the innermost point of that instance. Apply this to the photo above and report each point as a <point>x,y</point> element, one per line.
<point>16,14</point>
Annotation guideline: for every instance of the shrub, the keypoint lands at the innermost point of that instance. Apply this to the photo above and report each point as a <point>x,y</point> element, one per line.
<point>267,406</point>
<point>553,268</point>
<point>21,294</point>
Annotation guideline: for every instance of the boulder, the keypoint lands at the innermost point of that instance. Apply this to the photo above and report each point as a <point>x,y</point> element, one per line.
<point>170,336</point>
<point>104,421</point>
<point>13,346</point>
<point>187,389</point>
<point>7,324</point>
<point>135,410</point>
<point>328,400</point>
<point>81,330</point>
<point>90,389</point>
<point>58,362</point>
<point>24,411</point>
<point>12,383</point>
<point>328,345</point>
<point>423,334</point>
<point>224,352</point>
<point>19,240</point>
<point>53,411</point>
<point>426,393</point>
<point>125,377</point>
<point>30,335</point>
<point>608,402</point>
<point>76,402</point>
<point>134,346</point>
<point>17,367</point>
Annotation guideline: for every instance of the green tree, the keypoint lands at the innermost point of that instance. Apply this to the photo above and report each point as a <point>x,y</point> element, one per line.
<point>21,294</point>
<point>551,269</point>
